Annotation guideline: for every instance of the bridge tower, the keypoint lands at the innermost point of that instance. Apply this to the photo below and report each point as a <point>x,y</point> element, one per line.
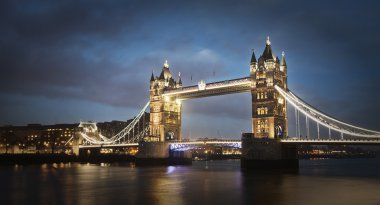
<point>269,118</point>
<point>165,112</point>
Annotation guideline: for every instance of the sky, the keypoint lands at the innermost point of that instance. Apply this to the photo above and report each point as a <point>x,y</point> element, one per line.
<point>67,61</point>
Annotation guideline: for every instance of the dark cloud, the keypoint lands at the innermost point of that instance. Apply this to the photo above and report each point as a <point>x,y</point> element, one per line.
<point>104,52</point>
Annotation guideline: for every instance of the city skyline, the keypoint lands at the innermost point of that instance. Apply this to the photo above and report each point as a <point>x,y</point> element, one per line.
<point>62,63</point>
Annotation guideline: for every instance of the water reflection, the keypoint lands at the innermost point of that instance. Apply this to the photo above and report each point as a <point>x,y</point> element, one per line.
<point>215,182</point>
<point>261,188</point>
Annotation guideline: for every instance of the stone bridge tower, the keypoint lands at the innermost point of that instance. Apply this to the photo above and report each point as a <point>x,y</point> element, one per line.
<point>165,113</point>
<point>269,118</point>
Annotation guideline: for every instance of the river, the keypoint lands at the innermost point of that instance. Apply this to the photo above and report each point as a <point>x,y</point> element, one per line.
<point>332,181</point>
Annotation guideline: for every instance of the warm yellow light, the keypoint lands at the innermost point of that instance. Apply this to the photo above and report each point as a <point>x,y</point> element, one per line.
<point>281,100</point>
<point>178,101</point>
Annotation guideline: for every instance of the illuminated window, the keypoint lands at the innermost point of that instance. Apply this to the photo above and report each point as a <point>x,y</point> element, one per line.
<point>262,95</point>
<point>258,96</point>
<point>266,110</point>
<point>258,126</point>
<point>266,95</point>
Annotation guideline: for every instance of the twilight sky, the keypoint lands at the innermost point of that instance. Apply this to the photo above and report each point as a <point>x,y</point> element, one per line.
<point>62,62</point>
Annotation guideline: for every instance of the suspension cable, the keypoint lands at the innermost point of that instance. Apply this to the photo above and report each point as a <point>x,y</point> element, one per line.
<point>325,120</point>
<point>121,134</point>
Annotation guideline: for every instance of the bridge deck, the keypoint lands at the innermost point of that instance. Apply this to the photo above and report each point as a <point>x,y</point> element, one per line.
<point>226,142</point>
<point>211,89</point>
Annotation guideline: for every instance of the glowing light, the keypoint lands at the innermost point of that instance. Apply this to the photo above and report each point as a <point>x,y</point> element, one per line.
<point>202,85</point>
<point>170,169</point>
<point>183,146</point>
<point>166,65</point>
<point>281,100</point>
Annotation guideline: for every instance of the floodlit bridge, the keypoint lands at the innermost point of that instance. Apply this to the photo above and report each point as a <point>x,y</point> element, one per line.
<point>272,101</point>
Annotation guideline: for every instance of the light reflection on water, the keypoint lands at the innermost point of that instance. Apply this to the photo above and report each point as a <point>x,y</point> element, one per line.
<point>215,182</point>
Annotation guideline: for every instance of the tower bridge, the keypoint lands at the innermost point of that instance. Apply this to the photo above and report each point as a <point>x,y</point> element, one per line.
<point>267,82</point>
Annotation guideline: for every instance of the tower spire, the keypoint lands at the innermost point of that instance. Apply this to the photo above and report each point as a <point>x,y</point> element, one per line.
<point>166,65</point>
<point>165,73</point>
<point>152,77</point>
<point>268,54</point>
<point>253,58</point>
<point>179,78</point>
<point>283,62</point>
<point>268,41</point>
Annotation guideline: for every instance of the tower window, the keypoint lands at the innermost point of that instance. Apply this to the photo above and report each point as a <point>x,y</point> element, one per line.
<point>262,111</point>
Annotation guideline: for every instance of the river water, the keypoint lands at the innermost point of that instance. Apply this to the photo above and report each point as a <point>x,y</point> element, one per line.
<point>347,181</point>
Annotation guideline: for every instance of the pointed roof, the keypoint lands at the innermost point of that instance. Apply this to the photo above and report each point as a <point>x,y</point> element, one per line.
<point>268,54</point>
<point>152,77</point>
<point>253,58</point>
<point>283,62</point>
<point>162,76</point>
<point>165,73</point>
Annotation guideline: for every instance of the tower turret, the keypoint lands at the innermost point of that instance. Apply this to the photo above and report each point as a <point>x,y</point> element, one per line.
<point>253,64</point>
<point>253,58</point>
<point>179,80</point>
<point>283,62</point>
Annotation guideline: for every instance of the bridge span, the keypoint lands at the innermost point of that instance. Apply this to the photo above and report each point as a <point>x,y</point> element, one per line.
<point>271,103</point>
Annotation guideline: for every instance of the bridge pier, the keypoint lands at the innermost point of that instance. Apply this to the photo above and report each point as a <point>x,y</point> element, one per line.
<point>158,153</point>
<point>267,154</point>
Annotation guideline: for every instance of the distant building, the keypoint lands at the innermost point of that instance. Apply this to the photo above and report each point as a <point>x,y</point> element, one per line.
<point>37,138</point>
<point>58,138</point>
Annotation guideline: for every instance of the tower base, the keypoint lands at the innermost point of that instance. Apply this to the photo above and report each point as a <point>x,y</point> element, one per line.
<point>267,154</point>
<point>159,154</point>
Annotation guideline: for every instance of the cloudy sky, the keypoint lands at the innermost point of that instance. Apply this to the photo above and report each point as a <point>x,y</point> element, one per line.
<point>62,62</point>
